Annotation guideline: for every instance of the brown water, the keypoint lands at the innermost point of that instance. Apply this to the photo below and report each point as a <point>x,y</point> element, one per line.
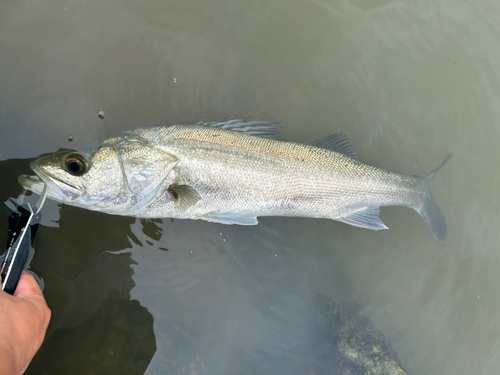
<point>409,81</point>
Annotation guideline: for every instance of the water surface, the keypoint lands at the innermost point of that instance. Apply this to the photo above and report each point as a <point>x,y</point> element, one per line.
<point>409,81</point>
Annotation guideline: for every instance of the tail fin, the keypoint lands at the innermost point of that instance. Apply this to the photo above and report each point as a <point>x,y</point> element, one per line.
<point>429,209</point>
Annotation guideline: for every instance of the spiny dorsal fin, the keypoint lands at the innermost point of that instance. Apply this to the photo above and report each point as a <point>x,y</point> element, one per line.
<point>185,196</point>
<point>365,218</point>
<point>337,142</point>
<point>261,129</point>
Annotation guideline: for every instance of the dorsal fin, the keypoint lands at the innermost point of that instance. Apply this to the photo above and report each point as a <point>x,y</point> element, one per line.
<point>337,142</point>
<point>263,129</point>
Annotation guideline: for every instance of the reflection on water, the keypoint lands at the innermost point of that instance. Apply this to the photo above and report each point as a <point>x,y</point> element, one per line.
<point>408,81</point>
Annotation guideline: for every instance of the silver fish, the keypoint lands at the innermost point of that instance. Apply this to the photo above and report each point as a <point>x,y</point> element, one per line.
<point>230,172</point>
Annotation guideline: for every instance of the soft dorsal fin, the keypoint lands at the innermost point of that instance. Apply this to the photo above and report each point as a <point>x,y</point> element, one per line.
<point>261,129</point>
<point>185,196</point>
<point>365,218</point>
<point>337,142</point>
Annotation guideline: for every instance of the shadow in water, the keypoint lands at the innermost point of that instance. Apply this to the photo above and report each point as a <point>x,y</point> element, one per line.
<point>95,327</point>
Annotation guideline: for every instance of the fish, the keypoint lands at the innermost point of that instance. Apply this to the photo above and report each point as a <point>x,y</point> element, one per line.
<point>230,172</point>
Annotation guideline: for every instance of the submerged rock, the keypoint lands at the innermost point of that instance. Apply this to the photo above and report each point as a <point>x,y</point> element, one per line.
<point>352,344</point>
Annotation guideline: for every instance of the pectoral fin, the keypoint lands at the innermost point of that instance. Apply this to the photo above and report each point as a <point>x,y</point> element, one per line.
<point>365,218</point>
<point>185,196</point>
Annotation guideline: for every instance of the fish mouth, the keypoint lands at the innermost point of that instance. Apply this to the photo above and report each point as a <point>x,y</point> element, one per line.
<point>33,183</point>
<point>36,183</point>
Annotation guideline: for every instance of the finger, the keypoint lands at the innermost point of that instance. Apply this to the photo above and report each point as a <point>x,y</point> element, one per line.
<point>27,287</point>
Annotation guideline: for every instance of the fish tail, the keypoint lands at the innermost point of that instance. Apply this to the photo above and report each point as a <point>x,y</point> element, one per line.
<point>429,209</point>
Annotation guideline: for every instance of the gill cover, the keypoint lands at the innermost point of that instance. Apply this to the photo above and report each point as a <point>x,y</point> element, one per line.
<point>102,182</point>
<point>145,169</point>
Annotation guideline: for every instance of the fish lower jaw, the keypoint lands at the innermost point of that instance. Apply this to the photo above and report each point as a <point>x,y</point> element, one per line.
<point>36,185</point>
<point>33,183</point>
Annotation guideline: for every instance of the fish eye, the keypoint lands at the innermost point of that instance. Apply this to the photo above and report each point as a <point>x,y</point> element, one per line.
<point>76,164</point>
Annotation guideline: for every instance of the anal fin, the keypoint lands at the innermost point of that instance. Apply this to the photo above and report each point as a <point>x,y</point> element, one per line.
<point>365,218</point>
<point>229,218</point>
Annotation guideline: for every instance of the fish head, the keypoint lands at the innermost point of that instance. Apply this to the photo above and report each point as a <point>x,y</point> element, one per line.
<point>91,180</point>
<point>118,176</point>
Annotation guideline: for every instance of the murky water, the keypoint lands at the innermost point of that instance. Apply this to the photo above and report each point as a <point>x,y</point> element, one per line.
<point>408,81</point>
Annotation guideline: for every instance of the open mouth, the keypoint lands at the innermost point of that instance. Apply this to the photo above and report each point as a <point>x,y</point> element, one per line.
<point>33,183</point>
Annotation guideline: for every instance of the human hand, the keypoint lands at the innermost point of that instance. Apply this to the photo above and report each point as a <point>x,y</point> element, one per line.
<point>24,318</point>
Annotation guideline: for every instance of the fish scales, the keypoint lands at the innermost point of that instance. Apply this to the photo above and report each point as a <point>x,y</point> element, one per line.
<point>272,178</point>
<point>231,172</point>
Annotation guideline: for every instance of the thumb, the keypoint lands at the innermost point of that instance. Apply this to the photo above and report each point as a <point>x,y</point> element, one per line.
<point>27,287</point>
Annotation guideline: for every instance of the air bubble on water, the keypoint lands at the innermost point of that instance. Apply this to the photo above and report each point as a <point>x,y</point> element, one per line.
<point>70,138</point>
<point>275,255</point>
<point>101,114</point>
<point>174,80</point>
